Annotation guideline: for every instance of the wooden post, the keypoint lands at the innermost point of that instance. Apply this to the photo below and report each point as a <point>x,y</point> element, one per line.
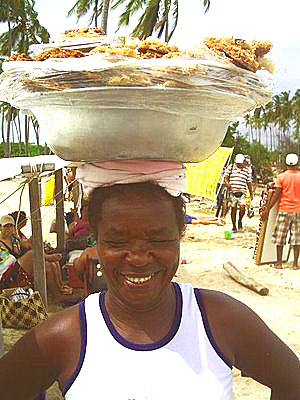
<point>1,339</point>
<point>60,219</point>
<point>39,270</point>
<point>75,192</point>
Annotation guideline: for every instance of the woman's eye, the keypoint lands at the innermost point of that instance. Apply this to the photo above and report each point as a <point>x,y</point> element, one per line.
<point>115,243</point>
<point>163,241</point>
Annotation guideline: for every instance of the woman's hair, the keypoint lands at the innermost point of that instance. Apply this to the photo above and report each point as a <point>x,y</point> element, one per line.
<point>99,195</point>
<point>22,216</point>
<point>69,217</point>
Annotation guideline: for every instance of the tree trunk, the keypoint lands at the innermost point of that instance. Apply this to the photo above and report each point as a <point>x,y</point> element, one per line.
<point>36,129</point>
<point>167,31</point>
<point>2,127</point>
<point>96,13</point>
<point>7,148</point>
<point>104,17</point>
<point>9,46</point>
<point>26,135</point>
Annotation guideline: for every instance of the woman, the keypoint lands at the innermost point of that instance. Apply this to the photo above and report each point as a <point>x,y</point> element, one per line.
<point>79,232</point>
<point>20,269</point>
<point>134,340</point>
<point>20,219</point>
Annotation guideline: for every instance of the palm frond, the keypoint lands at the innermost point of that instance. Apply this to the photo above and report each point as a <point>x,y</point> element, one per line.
<point>148,20</point>
<point>80,8</point>
<point>206,5</point>
<point>175,14</point>
<point>131,8</point>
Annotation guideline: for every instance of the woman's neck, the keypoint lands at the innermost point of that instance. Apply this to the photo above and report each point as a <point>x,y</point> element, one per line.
<point>6,239</point>
<point>143,326</point>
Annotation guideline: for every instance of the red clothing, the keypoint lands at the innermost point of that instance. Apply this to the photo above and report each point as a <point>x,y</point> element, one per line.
<point>82,229</point>
<point>289,183</point>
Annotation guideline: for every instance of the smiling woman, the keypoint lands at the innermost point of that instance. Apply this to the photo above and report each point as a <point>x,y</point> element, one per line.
<point>133,340</point>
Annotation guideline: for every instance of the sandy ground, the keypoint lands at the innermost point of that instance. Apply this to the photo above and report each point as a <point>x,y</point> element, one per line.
<point>205,249</point>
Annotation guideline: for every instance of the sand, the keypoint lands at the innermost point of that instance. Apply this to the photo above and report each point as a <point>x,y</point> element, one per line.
<point>205,249</point>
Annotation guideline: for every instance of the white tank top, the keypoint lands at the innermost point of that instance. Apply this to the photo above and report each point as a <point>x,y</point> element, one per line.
<point>184,365</point>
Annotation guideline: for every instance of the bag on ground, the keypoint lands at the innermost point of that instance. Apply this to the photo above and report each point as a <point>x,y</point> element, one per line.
<point>21,308</point>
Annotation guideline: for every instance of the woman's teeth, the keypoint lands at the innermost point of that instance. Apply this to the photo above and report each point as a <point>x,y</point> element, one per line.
<point>138,280</point>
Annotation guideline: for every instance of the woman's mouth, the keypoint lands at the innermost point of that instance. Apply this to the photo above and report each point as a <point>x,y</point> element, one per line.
<point>138,280</point>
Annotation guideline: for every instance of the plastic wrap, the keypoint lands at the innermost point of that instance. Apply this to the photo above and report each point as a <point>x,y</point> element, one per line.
<point>124,108</point>
<point>23,80</point>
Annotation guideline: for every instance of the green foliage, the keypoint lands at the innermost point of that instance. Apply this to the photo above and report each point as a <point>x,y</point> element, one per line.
<point>83,7</point>
<point>236,139</point>
<point>19,150</point>
<point>24,28</point>
<point>157,15</point>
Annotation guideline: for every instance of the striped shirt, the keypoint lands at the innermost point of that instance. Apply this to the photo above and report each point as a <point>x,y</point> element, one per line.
<point>238,178</point>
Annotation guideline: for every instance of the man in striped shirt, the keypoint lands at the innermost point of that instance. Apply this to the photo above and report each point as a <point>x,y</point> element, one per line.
<point>237,178</point>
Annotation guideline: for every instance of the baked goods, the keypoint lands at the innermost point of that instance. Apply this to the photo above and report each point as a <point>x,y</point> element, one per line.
<point>19,57</point>
<point>239,52</point>
<point>57,52</point>
<point>225,50</point>
<point>85,34</point>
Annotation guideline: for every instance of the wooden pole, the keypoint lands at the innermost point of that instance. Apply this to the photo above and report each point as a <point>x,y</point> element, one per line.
<point>60,219</point>
<point>39,270</point>
<point>1,339</point>
<point>250,283</point>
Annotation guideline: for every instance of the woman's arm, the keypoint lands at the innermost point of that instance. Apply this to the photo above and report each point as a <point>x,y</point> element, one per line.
<point>252,347</point>
<point>46,354</point>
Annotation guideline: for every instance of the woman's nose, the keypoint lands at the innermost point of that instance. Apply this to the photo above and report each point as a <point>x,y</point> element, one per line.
<point>139,255</point>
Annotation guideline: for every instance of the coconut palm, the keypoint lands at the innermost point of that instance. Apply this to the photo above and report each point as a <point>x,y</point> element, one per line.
<point>104,17</point>
<point>83,7</point>
<point>24,28</point>
<point>157,15</point>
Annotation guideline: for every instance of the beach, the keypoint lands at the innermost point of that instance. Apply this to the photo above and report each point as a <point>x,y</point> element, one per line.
<point>205,250</point>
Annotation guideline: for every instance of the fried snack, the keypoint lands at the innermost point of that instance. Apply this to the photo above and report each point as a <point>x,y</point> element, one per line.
<point>115,51</point>
<point>75,34</point>
<point>154,49</point>
<point>261,48</point>
<point>98,50</point>
<point>57,52</point>
<point>178,54</point>
<point>20,57</point>
<point>240,53</point>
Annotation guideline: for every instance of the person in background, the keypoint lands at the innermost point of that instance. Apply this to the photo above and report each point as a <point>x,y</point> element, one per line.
<point>69,219</point>
<point>252,169</point>
<point>21,219</point>
<point>79,231</point>
<point>237,179</point>
<point>287,192</point>
<point>248,163</point>
<point>202,220</point>
<point>20,268</point>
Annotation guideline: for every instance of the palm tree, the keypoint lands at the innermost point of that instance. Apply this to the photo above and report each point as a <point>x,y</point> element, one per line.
<point>82,7</point>
<point>104,17</point>
<point>158,15</point>
<point>24,29</point>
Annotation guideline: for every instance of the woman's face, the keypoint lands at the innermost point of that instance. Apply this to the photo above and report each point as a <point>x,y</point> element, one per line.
<point>7,230</point>
<point>139,247</point>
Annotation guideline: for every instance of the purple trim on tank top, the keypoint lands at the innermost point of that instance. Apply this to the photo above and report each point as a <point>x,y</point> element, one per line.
<point>198,296</point>
<point>145,347</point>
<point>83,333</point>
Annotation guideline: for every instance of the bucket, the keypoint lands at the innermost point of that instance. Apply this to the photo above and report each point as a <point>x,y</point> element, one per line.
<point>228,235</point>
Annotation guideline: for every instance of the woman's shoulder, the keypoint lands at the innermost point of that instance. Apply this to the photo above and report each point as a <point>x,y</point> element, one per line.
<point>59,338</point>
<point>221,307</point>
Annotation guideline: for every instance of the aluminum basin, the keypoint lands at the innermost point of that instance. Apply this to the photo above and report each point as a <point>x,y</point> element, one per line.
<point>136,123</point>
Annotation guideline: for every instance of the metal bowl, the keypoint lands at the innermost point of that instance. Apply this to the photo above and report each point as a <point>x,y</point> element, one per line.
<point>136,123</point>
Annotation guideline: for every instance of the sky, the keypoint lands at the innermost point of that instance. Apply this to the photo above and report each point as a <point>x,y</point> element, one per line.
<point>268,20</point>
